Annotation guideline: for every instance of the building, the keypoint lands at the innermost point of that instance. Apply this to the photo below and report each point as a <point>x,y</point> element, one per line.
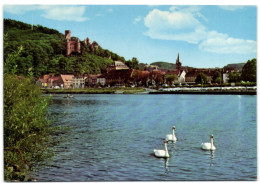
<point>150,68</point>
<point>72,44</point>
<point>178,63</point>
<point>119,76</point>
<point>178,72</point>
<point>43,81</point>
<point>117,65</point>
<point>140,78</point>
<point>225,77</point>
<point>48,81</point>
<point>101,80</point>
<point>181,77</point>
<point>65,81</point>
<point>155,78</point>
<point>78,81</point>
<point>92,80</point>
<point>192,74</point>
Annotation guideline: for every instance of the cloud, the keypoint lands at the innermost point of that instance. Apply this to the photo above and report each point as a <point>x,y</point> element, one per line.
<point>184,24</point>
<point>175,25</point>
<point>222,43</point>
<point>110,10</point>
<point>137,19</point>
<point>68,13</point>
<point>191,37</point>
<point>231,7</point>
<point>18,9</point>
<point>201,16</point>
<point>170,20</point>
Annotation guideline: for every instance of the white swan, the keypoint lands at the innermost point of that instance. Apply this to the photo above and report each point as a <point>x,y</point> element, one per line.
<point>208,145</point>
<point>171,137</point>
<point>162,153</point>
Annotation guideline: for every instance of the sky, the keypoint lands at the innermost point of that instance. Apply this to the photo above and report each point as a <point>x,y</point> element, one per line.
<point>205,36</point>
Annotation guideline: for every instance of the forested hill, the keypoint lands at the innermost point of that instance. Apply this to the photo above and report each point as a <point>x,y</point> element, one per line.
<point>167,66</point>
<point>42,50</point>
<point>164,65</point>
<point>238,65</point>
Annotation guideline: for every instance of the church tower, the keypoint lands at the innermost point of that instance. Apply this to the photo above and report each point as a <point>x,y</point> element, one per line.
<point>178,63</point>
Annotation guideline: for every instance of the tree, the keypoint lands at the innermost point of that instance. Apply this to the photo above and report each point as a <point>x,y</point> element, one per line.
<point>216,77</point>
<point>26,127</point>
<point>234,77</point>
<point>133,64</point>
<point>170,79</point>
<point>10,65</point>
<point>249,71</point>
<point>201,78</point>
<point>42,50</point>
<point>156,76</point>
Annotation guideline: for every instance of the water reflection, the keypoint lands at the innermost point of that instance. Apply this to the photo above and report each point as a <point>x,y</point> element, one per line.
<point>62,101</point>
<point>212,154</point>
<point>166,165</point>
<point>172,146</point>
<point>212,158</point>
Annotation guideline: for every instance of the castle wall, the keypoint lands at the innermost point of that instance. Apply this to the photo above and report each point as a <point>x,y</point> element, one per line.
<point>72,46</point>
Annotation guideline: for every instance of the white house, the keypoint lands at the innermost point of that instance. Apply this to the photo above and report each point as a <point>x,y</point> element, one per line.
<point>78,82</point>
<point>181,77</point>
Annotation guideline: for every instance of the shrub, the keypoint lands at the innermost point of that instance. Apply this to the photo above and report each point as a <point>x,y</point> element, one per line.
<point>26,127</point>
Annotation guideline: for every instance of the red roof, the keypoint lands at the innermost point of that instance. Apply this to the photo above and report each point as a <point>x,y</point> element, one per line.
<point>173,72</point>
<point>122,74</point>
<point>66,78</point>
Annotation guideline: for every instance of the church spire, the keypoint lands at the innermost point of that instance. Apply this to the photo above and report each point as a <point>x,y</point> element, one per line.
<point>178,58</point>
<point>178,63</point>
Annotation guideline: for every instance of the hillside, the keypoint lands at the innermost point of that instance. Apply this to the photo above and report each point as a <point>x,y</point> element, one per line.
<point>43,51</point>
<point>164,65</point>
<point>167,66</point>
<point>237,65</point>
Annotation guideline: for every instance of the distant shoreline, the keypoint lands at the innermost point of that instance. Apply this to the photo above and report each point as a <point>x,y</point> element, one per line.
<point>94,91</point>
<point>249,92</point>
<point>143,91</point>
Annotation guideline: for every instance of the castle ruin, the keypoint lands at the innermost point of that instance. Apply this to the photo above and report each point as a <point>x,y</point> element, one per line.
<point>72,44</point>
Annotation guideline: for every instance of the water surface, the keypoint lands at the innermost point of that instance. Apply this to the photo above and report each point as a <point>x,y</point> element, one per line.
<point>112,138</point>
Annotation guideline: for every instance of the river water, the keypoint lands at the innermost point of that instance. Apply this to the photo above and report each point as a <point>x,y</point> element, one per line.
<point>112,137</point>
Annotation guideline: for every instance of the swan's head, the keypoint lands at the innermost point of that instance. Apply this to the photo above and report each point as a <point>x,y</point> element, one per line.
<point>173,128</point>
<point>211,137</point>
<point>165,141</point>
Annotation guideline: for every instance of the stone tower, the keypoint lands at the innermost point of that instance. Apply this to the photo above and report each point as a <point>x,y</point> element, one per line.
<point>67,34</point>
<point>72,44</point>
<point>78,46</point>
<point>68,47</point>
<point>178,63</point>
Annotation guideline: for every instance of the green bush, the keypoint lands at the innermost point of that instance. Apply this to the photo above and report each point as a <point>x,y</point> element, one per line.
<point>26,127</point>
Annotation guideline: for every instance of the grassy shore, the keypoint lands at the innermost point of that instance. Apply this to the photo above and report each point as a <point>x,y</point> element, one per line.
<point>124,90</point>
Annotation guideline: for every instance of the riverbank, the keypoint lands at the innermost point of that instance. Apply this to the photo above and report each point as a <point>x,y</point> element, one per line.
<point>218,92</point>
<point>147,91</point>
<point>95,91</point>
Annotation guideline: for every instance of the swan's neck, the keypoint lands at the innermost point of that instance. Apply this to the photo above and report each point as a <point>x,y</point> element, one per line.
<point>173,133</point>
<point>211,142</point>
<point>166,149</point>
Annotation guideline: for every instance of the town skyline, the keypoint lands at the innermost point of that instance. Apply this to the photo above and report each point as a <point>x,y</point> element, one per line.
<point>203,39</point>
